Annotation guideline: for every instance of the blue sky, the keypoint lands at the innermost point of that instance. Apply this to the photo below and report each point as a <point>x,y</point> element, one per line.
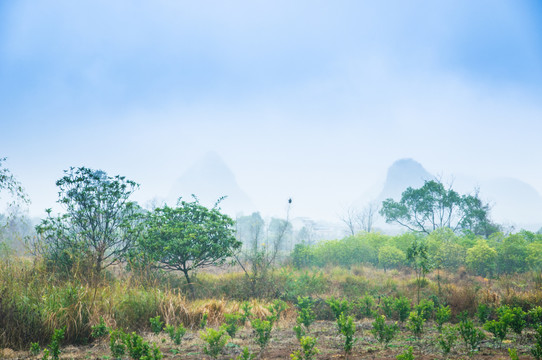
<point>310,99</point>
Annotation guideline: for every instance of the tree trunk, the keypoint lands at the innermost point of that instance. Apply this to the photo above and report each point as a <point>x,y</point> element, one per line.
<point>190,285</point>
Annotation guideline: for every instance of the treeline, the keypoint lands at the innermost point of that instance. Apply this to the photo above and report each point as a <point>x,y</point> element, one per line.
<point>443,249</point>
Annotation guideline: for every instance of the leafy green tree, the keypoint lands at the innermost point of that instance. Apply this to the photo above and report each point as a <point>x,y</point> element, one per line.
<point>434,206</point>
<point>9,183</point>
<point>390,257</point>
<point>419,260</point>
<point>534,256</point>
<point>481,258</point>
<point>99,222</point>
<point>512,254</point>
<point>187,238</point>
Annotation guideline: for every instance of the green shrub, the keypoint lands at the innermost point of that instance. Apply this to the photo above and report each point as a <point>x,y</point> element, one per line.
<point>406,355</point>
<point>306,314</point>
<point>536,350</point>
<point>138,349</point>
<point>534,317</point>
<point>99,330</point>
<point>246,314</point>
<point>246,355</point>
<point>425,309</point>
<point>471,335</point>
<point>299,331</point>
<point>447,338</point>
<point>262,328</point>
<point>386,305</point>
<point>483,313</point>
<point>116,344</point>
<point>35,348</point>
<point>382,332</point>
<point>517,322</point>
<point>442,315</point>
<point>338,306</point>
<point>54,345</point>
<point>276,309</point>
<point>156,324</point>
<point>402,308</point>
<point>308,349</point>
<point>415,324</point>
<point>348,329</point>
<point>203,320</point>
<point>513,353</point>
<point>215,341</point>
<point>366,305</point>
<point>176,334</point>
<point>498,329</point>
<point>231,323</point>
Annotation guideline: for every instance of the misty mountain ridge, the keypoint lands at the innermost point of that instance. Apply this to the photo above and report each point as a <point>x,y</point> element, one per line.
<point>209,179</point>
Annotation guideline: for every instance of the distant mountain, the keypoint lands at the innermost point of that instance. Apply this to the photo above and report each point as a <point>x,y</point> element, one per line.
<point>402,174</point>
<point>209,179</point>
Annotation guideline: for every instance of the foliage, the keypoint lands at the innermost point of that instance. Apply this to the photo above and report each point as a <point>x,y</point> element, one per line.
<point>481,259</point>
<point>513,353</point>
<point>35,348</point>
<point>306,314</point>
<point>471,335</point>
<point>425,309</point>
<point>215,341</point>
<point>54,345</point>
<point>138,349</point>
<point>418,259</point>
<point>390,257</point>
<point>11,184</point>
<point>386,305</point>
<point>156,325</point>
<point>203,320</point>
<point>517,322</point>
<point>433,206</point>
<point>262,328</point>
<point>382,332</point>
<point>447,338</point>
<point>348,329</point>
<point>276,308</point>
<point>246,314</point>
<point>188,237</point>
<point>498,329</point>
<point>415,324</point>
<point>308,349</point>
<point>176,334</point>
<point>483,312</point>
<point>299,331</point>
<point>246,355</point>
<point>231,323</point>
<point>442,315</point>
<point>99,330</point>
<point>338,307</point>
<point>406,355</point>
<point>536,350</point>
<point>402,308</point>
<point>534,316</point>
<point>116,344</point>
<point>366,304</point>
<point>98,227</point>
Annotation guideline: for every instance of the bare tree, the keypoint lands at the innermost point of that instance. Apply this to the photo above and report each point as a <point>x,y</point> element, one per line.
<point>350,218</point>
<point>367,216</point>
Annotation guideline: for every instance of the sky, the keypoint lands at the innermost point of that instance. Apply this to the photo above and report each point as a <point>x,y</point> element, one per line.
<point>312,100</point>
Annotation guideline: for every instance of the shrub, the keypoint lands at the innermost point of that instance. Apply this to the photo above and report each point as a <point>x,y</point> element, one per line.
<point>176,334</point>
<point>471,335</point>
<point>35,348</point>
<point>306,315</point>
<point>365,305</point>
<point>406,355</point>
<point>415,324</point>
<point>425,309</point>
<point>246,355</point>
<point>215,341</point>
<point>203,320</point>
<point>498,329</point>
<point>517,322</point>
<point>348,329</point>
<point>139,349</point>
<point>483,313</point>
<point>382,332</point>
<point>338,306</point>
<point>299,331</point>
<point>99,330</point>
<point>116,345</point>
<point>442,315</point>
<point>231,323</point>
<point>536,350</point>
<point>402,308</point>
<point>262,328</point>
<point>386,305</point>
<point>308,349</point>
<point>246,314</point>
<point>276,309</point>
<point>447,338</point>
<point>156,324</point>
<point>54,346</point>
<point>513,353</point>
<point>534,317</point>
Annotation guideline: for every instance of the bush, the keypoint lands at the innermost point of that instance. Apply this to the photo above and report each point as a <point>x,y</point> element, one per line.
<point>425,309</point>
<point>99,330</point>
<point>471,335</point>
<point>442,315</point>
<point>262,328</point>
<point>306,314</point>
<point>415,324</point>
<point>116,345</point>
<point>246,355</point>
<point>365,306</point>
<point>447,338</point>
<point>231,323</point>
<point>215,341</point>
<point>382,332</point>
<point>536,350</point>
<point>386,305</point>
<point>338,306</point>
<point>54,345</point>
<point>517,322</point>
<point>534,317</point>
<point>483,313</point>
<point>498,329</point>
<point>308,349</point>
<point>402,308</point>
<point>35,348</point>
<point>348,329</point>
<point>246,314</point>
<point>139,349</point>
<point>406,355</point>
<point>156,325</point>
<point>176,334</point>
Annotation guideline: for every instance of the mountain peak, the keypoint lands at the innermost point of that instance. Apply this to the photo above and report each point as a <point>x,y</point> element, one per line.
<point>402,174</point>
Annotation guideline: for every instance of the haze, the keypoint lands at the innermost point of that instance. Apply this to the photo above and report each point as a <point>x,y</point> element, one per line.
<point>312,100</point>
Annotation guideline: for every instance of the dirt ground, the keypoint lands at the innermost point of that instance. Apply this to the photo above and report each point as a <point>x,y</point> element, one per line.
<point>284,342</point>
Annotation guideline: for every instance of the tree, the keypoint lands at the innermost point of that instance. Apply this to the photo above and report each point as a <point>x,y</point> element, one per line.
<point>390,257</point>
<point>481,258</point>
<point>188,237</point>
<point>433,206</point>
<point>419,260</point>
<point>9,183</point>
<point>98,226</point>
